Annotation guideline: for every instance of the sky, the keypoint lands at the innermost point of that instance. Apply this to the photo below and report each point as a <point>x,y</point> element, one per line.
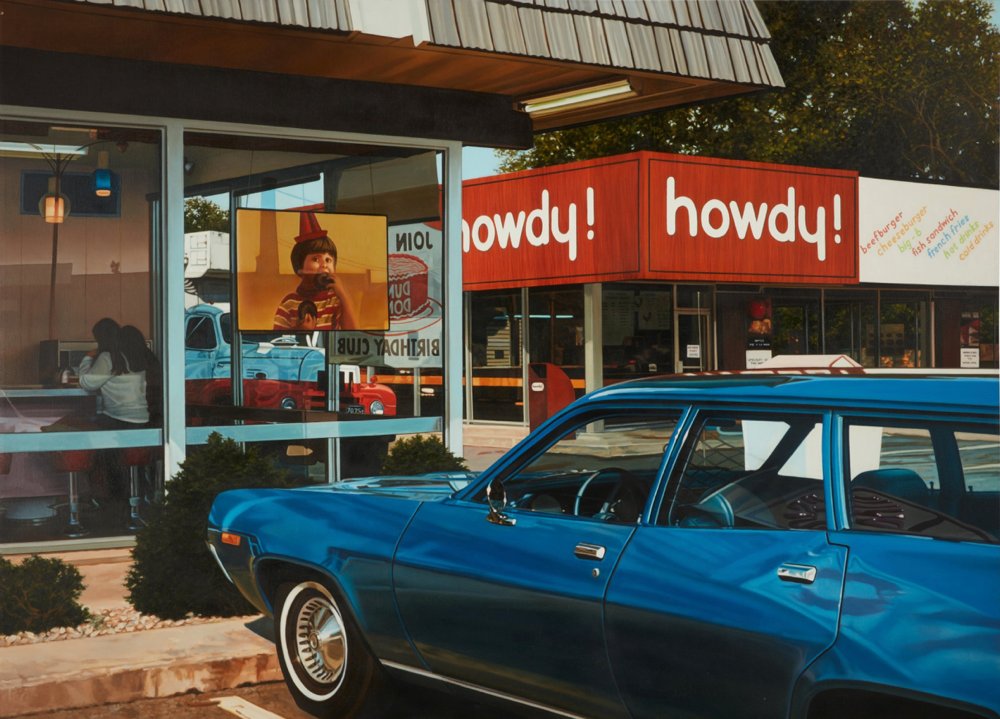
<point>480,162</point>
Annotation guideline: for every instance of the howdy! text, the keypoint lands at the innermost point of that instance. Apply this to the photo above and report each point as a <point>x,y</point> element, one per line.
<point>786,221</point>
<point>781,221</point>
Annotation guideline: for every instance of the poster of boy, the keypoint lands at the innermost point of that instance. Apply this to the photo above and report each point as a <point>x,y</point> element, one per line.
<point>302,270</point>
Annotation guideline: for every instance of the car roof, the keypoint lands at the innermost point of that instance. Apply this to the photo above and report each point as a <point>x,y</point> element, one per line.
<point>976,394</point>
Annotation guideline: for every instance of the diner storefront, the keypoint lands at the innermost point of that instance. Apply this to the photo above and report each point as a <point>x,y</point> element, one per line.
<point>587,274</point>
<point>159,162</point>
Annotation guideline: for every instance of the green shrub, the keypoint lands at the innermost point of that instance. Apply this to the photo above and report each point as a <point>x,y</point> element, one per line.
<point>39,594</point>
<point>419,455</point>
<point>173,572</point>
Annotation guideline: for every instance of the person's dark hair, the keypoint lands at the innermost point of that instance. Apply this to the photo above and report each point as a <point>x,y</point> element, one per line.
<point>308,247</point>
<point>108,335</point>
<point>133,346</point>
<point>140,357</point>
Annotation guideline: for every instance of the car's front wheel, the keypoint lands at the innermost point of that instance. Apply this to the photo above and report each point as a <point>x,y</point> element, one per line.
<point>329,670</point>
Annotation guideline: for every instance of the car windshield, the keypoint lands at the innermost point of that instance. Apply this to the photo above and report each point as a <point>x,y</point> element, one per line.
<point>275,338</point>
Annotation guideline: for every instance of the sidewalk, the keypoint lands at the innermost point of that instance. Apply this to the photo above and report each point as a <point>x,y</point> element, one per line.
<point>213,656</point>
<point>124,667</point>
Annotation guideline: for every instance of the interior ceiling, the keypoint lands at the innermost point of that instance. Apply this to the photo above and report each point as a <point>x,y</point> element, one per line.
<point>87,29</point>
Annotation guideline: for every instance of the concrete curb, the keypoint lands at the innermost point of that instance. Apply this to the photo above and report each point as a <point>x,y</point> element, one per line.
<point>126,667</point>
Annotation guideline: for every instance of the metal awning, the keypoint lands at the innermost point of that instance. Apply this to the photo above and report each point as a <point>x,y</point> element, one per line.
<point>563,62</point>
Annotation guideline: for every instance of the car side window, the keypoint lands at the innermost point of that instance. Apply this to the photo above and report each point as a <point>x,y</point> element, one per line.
<point>742,470</point>
<point>934,479</point>
<point>979,503</point>
<point>601,468</point>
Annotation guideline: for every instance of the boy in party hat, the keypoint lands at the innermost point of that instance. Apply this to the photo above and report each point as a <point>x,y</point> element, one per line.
<point>314,259</point>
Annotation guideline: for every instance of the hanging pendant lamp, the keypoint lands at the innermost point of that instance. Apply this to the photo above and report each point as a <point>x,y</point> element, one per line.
<point>102,175</point>
<point>54,206</point>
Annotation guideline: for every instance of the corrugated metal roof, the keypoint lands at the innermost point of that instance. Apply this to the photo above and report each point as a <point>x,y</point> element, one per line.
<point>561,34</point>
<point>593,42</point>
<point>508,36</point>
<point>443,23</point>
<point>705,39</point>
<point>474,27</point>
<point>723,40</point>
<point>316,14</point>
<point>691,38</point>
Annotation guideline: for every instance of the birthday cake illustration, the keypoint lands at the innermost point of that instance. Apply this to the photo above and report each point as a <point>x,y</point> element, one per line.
<point>407,286</point>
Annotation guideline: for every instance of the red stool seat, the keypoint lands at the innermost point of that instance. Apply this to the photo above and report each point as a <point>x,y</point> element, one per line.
<point>74,460</point>
<point>136,456</point>
<point>5,460</point>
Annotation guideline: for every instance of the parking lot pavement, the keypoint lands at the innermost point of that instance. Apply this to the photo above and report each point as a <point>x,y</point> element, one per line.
<point>271,700</point>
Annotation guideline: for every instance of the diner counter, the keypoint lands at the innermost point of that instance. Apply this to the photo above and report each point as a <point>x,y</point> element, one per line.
<point>41,392</point>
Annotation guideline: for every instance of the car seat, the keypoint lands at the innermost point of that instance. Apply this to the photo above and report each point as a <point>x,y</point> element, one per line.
<point>897,482</point>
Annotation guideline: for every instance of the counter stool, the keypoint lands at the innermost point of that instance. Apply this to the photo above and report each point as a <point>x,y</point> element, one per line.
<point>136,459</point>
<point>158,481</point>
<point>74,461</point>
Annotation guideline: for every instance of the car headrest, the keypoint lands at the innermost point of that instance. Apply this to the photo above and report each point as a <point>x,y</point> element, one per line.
<point>898,482</point>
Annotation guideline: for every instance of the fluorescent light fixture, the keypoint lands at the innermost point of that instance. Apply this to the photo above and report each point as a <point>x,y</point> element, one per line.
<point>505,318</point>
<point>578,98</point>
<point>26,148</point>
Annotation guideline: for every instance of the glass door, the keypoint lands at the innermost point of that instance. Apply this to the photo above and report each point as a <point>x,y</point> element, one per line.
<point>904,340</point>
<point>850,325</point>
<point>495,335</point>
<point>693,340</point>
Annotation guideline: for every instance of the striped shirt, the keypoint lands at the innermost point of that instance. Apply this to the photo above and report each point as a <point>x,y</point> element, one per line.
<point>328,310</point>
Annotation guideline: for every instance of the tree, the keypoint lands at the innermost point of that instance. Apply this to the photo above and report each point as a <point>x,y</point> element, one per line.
<point>891,89</point>
<point>201,214</point>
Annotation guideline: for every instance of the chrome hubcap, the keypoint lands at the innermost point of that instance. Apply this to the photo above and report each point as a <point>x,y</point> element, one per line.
<point>319,641</point>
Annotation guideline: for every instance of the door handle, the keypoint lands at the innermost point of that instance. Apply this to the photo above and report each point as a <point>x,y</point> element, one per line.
<point>798,573</point>
<point>589,551</point>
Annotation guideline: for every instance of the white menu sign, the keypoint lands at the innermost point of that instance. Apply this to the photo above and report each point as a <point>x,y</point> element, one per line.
<point>916,233</point>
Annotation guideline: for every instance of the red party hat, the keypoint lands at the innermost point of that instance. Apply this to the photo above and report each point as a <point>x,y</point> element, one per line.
<point>309,228</point>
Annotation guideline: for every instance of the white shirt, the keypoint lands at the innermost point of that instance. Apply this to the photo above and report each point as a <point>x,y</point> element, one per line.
<point>123,395</point>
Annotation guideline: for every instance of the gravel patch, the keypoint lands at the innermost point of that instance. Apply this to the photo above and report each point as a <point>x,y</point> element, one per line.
<point>120,620</point>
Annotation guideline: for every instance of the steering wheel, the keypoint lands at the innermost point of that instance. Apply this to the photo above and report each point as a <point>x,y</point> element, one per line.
<point>626,486</point>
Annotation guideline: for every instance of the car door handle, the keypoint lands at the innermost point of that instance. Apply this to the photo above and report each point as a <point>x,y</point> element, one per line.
<point>589,551</point>
<point>798,573</point>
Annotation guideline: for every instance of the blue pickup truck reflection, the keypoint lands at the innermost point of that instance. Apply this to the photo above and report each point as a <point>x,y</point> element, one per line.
<point>277,372</point>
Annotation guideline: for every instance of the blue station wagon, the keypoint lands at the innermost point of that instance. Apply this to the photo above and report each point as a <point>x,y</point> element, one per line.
<point>751,545</point>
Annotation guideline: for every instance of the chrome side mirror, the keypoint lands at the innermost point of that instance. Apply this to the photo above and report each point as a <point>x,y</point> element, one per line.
<point>496,500</point>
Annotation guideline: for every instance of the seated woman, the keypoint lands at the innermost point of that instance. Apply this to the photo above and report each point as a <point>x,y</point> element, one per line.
<point>117,370</point>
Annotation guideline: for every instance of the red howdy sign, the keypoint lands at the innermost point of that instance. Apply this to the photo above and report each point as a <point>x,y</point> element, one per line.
<point>656,216</point>
<point>741,221</point>
<point>561,225</point>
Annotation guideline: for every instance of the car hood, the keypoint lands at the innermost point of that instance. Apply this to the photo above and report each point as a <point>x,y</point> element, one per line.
<point>421,487</point>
